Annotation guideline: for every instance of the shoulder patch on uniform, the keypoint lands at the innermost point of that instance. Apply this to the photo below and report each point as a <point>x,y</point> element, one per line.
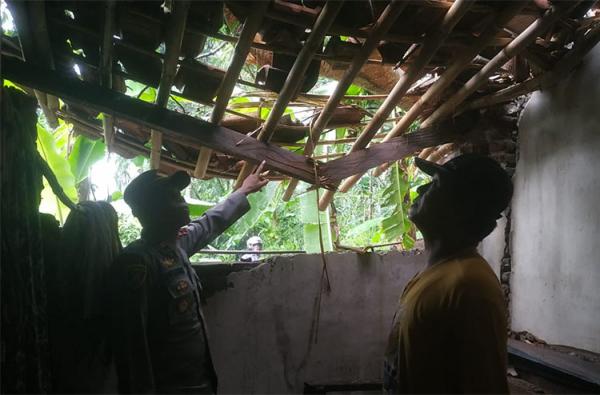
<point>136,275</point>
<point>183,231</point>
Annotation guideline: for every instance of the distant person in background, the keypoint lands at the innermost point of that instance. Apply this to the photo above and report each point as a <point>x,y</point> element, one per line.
<point>254,243</point>
<point>449,332</point>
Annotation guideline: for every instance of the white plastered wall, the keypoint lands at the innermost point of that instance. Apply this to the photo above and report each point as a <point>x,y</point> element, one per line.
<point>556,212</point>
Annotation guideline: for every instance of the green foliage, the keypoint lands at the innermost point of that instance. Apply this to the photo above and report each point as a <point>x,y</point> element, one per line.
<point>396,196</point>
<point>10,84</point>
<point>129,229</point>
<point>355,90</point>
<point>50,150</point>
<point>311,218</point>
<point>84,154</point>
<point>197,207</point>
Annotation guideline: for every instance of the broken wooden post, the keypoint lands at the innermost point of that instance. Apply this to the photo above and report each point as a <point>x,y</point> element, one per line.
<point>242,48</point>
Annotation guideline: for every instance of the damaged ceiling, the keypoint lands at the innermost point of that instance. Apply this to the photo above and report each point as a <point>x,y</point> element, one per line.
<point>438,62</point>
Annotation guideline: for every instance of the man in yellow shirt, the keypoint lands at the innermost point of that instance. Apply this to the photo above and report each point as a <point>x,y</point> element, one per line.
<point>449,332</point>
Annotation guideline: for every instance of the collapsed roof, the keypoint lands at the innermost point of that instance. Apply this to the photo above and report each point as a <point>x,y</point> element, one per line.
<point>419,60</point>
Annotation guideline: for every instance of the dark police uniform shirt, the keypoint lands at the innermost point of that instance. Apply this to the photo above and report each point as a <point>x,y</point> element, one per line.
<point>158,331</point>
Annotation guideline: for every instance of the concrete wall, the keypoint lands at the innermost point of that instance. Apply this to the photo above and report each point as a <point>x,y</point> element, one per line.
<point>264,332</point>
<point>556,212</point>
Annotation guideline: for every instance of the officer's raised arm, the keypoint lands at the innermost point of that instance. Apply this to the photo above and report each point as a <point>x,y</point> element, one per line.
<point>215,221</point>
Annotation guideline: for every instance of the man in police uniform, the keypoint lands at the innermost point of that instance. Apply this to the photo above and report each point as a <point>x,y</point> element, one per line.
<point>158,331</point>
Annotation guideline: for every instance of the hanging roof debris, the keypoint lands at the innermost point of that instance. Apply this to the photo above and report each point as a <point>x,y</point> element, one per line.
<point>420,60</point>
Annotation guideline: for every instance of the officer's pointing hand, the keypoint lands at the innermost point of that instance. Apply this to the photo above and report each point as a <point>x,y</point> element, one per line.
<point>255,181</point>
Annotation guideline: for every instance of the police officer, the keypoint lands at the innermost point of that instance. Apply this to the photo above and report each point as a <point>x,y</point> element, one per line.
<point>158,331</point>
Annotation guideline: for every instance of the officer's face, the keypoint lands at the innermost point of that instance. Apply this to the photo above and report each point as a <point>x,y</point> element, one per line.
<point>172,210</point>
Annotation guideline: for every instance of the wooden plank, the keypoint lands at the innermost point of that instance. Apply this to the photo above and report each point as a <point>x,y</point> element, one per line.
<point>194,132</point>
<point>587,371</point>
<point>359,162</point>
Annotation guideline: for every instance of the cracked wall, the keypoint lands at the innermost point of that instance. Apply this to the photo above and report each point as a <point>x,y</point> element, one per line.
<point>264,332</point>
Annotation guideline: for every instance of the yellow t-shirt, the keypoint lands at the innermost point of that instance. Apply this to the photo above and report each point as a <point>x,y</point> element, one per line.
<point>449,332</point>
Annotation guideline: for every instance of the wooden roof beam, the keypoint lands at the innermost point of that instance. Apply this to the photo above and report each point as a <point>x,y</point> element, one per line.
<point>169,69</point>
<point>450,130</point>
<point>242,48</point>
<point>186,129</point>
<point>295,76</point>
<point>433,42</point>
<point>383,24</point>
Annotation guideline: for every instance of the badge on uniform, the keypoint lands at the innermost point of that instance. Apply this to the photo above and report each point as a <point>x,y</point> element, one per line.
<point>182,286</point>
<point>167,263</point>
<point>182,232</point>
<point>183,305</point>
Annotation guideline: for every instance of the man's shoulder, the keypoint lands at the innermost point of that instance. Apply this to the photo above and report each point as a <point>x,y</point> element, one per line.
<point>133,265</point>
<point>136,252</point>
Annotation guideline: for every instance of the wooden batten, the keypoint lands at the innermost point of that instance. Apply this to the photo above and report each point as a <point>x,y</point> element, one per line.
<point>383,24</point>
<point>432,43</point>
<point>450,130</point>
<point>169,69</point>
<point>242,48</point>
<point>294,78</point>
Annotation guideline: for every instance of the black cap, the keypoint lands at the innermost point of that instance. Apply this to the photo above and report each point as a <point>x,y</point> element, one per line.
<point>146,185</point>
<point>481,180</point>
